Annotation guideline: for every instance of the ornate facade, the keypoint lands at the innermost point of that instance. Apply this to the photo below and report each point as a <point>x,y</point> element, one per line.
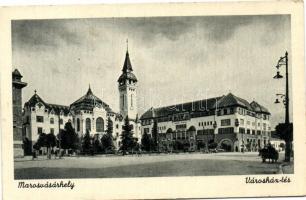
<point>231,122</point>
<point>88,113</point>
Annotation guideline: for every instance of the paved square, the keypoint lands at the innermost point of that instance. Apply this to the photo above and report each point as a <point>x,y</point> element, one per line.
<point>194,164</point>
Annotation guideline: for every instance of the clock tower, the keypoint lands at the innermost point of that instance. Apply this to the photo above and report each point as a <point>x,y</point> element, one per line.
<point>128,90</point>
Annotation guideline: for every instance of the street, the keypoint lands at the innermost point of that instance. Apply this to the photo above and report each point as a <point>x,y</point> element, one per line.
<point>195,164</point>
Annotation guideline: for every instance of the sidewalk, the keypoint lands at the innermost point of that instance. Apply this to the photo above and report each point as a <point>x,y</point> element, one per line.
<point>288,168</point>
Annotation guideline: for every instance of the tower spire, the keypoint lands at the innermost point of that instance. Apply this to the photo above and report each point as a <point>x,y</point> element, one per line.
<point>127,45</point>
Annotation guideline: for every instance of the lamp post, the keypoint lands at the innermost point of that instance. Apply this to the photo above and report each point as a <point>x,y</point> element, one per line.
<point>283,61</point>
<point>286,131</point>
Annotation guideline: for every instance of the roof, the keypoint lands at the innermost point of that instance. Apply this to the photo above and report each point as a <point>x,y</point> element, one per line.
<point>34,100</point>
<point>232,100</point>
<point>127,66</point>
<point>259,108</point>
<point>204,105</point>
<point>56,108</point>
<point>16,73</point>
<point>127,75</point>
<point>88,102</point>
<point>127,70</point>
<point>195,106</point>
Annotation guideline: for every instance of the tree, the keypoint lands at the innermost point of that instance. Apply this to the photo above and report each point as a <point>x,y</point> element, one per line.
<point>50,143</point>
<point>68,138</point>
<point>87,143</point>
<point>41,141</point>
<point>146,142</point>
<point>127,140</point>
<point>71,136</point>
<point>97,146</point>
<point>155,135</point>
<point>46,140</point>
<point>107,139</point>
<point>285,132</point>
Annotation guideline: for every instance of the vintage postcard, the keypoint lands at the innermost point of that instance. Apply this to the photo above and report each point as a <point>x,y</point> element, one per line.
<point>142,101</point>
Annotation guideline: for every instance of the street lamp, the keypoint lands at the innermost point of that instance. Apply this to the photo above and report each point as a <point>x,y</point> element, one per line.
<point>285,131</point>
<point>283,61</point>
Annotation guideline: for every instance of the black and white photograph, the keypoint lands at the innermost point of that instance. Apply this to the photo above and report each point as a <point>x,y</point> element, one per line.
<point>153,101</point>
<point>152,96</point>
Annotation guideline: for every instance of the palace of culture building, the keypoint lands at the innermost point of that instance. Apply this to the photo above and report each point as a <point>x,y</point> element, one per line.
<point>86,113</point>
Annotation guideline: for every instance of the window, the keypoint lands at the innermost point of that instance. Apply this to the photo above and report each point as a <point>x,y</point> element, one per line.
<point>131,100</point>
<point>88,124</point>
<point>248,122</point>
<point>264,126</point>
<point>28,119</point>
<point>253,132</point>
<point>61,121</point>
<point>146,130</point>
<point>226,130</point>
<point>225,111</point>
<point>219,112</point>
<point>204,123</point>
<point>52,130</point>
<point>241,130</point>
<point>51,120</point>
<point>248,131</point>
<point>231,110</point>
<point>181,126</point>
<point>242,122</point>
<point>258,132</point>
<point>225,122</point>
<point>100,124</point>
<point>117,126</point>
<point>78,124</point>
<point>39,130</point>
<point>40,119</point>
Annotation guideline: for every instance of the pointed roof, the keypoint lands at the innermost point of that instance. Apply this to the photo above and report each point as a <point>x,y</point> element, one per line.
<point>37,99</point>
<point>127,70</point>
<point>34,100</point>
<point>127,66</point>
<point>88,102</point>
<point>16,73</point>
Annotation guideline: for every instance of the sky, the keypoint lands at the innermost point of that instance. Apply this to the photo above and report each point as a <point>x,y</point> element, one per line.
<point>175,59</point>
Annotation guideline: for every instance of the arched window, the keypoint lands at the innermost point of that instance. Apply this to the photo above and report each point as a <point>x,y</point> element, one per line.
<point>131,100</point>
<point>99,124</point>
<point>88,124</point>
<point>78,124</point>
<point>123,100</point>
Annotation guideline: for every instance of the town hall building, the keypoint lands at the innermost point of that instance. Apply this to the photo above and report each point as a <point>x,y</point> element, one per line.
<point>229,121</point>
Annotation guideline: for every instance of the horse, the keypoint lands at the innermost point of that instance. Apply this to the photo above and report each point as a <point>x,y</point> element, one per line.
<point>269,153</point>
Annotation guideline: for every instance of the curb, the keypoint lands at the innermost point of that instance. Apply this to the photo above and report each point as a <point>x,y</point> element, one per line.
<point>280,168</point>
